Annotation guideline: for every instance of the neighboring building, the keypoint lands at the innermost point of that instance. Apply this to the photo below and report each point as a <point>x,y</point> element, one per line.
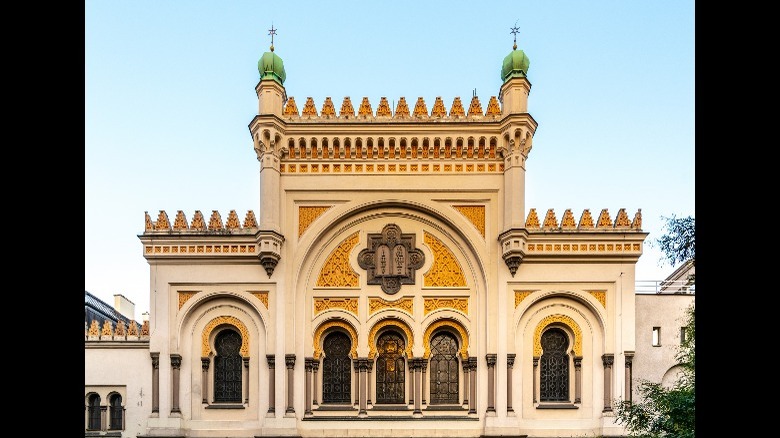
<point>660,326</point>
<point>392,284</point>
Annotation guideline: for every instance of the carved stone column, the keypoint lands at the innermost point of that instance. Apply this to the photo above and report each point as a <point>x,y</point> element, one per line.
<point>308,383</point>
<point>417,376</point>
<point>410,366</point>
<point>473,385</point>
<point>629,377</point>
<point>510,362</point>
<point>607,360</point>
<point>369,386</point>
<point>466,368</point>
<point>424,381</point>
<point>491,363</point>
<point>536,371</point>
<point>316,384</point>
<point>155,382</point>
<point>289,360</point>
<point>246,380</point>
<point>578,379</point>
<point>204,364</point>
<point>356,367</point>
<point>175,371</point>
<point>363,369</point>
<point>271,359</point>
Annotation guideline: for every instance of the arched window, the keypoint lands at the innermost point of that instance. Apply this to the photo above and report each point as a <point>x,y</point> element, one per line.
<point>390,369</point>
<point>116,411</point>
<point>227,367</point>
<point>336,376</point>
<point>554,366</point>
<point>93,412</point>
<point>444,369</point>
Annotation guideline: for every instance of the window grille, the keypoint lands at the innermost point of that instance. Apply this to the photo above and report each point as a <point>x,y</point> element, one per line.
<point>554,366</point>
<point>227,367</point>
<point>336,376</point>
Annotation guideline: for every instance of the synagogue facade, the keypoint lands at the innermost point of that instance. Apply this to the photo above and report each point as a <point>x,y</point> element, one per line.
<point>391,282</point>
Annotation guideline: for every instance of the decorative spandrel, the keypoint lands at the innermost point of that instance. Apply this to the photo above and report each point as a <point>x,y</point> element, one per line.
<point>391,259</point>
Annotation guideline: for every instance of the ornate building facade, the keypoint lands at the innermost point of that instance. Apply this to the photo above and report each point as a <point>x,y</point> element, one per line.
<point>392,283</point>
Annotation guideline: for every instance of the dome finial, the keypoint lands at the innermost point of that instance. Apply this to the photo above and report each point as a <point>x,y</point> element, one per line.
<point>514,31</point>
<point>272,32</point>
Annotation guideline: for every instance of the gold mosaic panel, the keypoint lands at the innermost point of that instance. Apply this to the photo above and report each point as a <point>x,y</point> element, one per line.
<point>262,296</point>
<point>445,270</point>
<point>184,296</point>
<point>348,304</point>
<point>600,295</point>
<point>475,215</point>
<point>562,319</point>
<point>323,327</point>
<point>459,304</point>
<point>451,323</point>
<point>231,320</point>
<point>336,272</point>
<point>520,295</point>
<point>376,304</point>
<point>307,215</point>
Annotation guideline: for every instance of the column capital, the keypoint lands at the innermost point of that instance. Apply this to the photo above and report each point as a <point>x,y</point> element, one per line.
<point>205,362</point>
<point>473,363</point>
<point>271,359</point>
<point>362,364</point>
<point>176,361</point>
<point>491,360</point>
<point>289,360</point>
<point>510,359</point>
<point>155,360</point>
<point>608,360</point>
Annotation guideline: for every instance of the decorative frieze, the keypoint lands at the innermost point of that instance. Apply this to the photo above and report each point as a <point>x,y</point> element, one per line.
<point>459,304</point>
<point>348,304</point>
<point>376,304</point>
<point>561,319</point>
<point>230,320</point>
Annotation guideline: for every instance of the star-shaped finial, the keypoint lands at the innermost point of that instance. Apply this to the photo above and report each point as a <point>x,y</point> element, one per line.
<point>272,32</point>
<point>514,31</point>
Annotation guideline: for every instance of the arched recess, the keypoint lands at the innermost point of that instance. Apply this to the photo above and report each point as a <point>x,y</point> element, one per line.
<point>194,307</point>
<point>216,322</point>
<point>559,319</point>
<point>329,325</point>
<point>453,327</point>
<point>386,323</point>
<point>531,298</point>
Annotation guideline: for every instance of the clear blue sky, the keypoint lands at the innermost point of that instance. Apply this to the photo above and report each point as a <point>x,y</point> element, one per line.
<point>169,93</point>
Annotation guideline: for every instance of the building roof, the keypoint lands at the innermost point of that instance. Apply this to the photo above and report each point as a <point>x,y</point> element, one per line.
<point>97,309</point>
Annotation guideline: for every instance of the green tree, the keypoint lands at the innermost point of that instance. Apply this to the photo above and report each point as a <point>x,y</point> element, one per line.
<point>669,412</point>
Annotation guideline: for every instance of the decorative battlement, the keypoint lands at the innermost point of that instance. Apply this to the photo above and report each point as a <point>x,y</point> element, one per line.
<point>585,223</point>
<point>198,224</point>
<point>121,333</point>
<point>383,112</point>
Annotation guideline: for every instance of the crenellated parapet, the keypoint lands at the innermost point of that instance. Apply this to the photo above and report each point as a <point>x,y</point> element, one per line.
<point>119,333</point>
<point>384,113</point>
<point>212,238</point>
<point>570,240</point>
<point>469,137</point>
<point>585,223</point>
<point>199,225</point>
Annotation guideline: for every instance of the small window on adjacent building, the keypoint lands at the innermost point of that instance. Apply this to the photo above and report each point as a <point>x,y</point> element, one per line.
<point>93,412</point>
<point>656,336</point>
<point>683,335</point>
<point>116,411</point>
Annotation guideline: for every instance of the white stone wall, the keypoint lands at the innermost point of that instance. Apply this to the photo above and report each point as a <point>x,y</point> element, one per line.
<point>111,366</point>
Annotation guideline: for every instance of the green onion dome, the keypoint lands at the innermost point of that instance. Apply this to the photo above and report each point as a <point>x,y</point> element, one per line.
<point>271,66</point>
<point>515,65</point>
